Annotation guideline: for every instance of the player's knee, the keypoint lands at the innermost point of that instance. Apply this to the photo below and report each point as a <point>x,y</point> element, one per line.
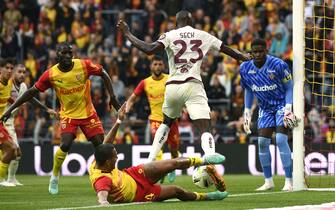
<point>11,151</point>
<point>65,146</point>
<point>168,121</point>
<point>281,139</point>
<point>18,153</point>
<point>263,143</point>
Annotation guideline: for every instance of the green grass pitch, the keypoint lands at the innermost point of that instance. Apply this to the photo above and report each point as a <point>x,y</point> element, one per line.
<point>77,192</point>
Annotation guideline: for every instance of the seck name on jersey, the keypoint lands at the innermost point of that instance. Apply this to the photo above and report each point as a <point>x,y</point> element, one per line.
<point>184,35</point>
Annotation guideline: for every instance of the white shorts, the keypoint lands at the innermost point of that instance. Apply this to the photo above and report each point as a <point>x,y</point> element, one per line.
<point>12,133</point>
<point>191,95</point>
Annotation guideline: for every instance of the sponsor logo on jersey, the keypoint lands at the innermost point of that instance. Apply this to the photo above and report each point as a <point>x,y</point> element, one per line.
<point>271,71</point>
<point>72,90</point>
<point>263,88</point>
<point>252,71</point>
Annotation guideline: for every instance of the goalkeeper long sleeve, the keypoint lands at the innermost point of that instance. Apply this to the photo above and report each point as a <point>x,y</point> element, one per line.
<point>248,98</point>
<point>289,92</point>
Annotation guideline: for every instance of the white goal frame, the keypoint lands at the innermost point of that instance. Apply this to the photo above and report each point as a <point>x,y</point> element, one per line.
<point>298,94</point>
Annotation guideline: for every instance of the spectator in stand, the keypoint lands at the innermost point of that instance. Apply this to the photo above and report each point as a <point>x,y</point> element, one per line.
<point>216,90</point>
<point>12,15</point>
<point>65,16</point>
<point>118,88</point>
<point>9,40</point>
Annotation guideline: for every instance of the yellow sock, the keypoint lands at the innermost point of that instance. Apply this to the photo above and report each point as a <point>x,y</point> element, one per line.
<point>58,161</point>
<point>195,161</point>
<point>0,154</point>
<point>160,155</point>
<point>3,170</point>
<point>200,196</point>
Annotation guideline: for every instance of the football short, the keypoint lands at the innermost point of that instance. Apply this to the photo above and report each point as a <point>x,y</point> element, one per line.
<point>270,118</point>
<point>4,135</point>
<point>146,191</point>
<point>12,133</point>
<point>90,126</point>
<point>190,94</point>
<point>173,138</point>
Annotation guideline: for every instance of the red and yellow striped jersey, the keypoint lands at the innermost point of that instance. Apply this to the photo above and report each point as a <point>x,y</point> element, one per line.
<point>5,94</point>
<point>154,89</point>
<point>72,88</point>
<point>120,186</point>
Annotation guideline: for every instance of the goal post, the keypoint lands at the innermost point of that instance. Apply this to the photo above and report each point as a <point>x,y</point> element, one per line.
<point>298,94</point>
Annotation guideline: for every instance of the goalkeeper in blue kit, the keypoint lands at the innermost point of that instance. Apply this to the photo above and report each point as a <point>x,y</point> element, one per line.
<point>269,79</point>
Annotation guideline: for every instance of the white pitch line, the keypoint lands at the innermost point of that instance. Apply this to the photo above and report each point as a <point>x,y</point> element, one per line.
<point>315,206</point>
<point>170,200</point>
<point>259,193</point>
<point>99,206</point>
<point>13,202</point>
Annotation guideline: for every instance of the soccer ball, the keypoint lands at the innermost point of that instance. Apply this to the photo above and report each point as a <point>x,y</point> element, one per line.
<point>201,178</point>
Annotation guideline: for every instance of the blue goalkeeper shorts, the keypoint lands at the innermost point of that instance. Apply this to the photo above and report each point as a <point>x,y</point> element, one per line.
<point>271,118</point>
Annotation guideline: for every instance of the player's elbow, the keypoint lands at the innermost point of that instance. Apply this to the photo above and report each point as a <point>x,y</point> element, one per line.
<point>149,51</point>
<point>152,48</point>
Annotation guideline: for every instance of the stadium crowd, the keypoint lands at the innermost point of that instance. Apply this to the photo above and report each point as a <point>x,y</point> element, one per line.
<point>30,29</point>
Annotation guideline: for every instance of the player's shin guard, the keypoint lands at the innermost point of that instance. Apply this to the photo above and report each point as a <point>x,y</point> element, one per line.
<point>265,156</point>
<point>159,140</point>
<point>285,153</point>
<point>208,143</point>
<point>58,161</point>
<point>3,170</point>
<point>13,166</point>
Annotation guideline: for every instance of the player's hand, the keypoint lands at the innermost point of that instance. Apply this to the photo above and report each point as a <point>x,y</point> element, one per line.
<point>290,120</point>
<point>247,121</point>
<point>122,112</point>
<point>53,114</point>
<point>123,27</point>
<point>246,57</point>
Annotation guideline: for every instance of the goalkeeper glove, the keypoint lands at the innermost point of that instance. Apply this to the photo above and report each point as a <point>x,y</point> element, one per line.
<point>290,120</point>
<point>247,121</point>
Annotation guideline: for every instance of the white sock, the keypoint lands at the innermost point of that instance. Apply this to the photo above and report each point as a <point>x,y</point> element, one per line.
<point>269,180</point>
<point>288,180</point>
<point>208,143</point>
<point>12,168</point>
<point>161,136</point>
<point>54,177</point>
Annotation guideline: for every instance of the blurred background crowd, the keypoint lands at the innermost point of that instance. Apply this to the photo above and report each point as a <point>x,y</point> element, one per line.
<point>30,30</point>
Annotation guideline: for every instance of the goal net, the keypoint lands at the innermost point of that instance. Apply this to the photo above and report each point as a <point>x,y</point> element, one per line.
<point>319,94</point>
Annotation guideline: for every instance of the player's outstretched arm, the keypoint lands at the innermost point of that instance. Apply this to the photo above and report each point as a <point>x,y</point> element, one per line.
<point>290,120</point>
<point>148,48</point>
<point>112,133</point>
<point>39,104</point>
<point>108,83</point>
<point>102,197</point>
<point>26,96</point>
<point>130,102</point>
<point>234,53</point>
<point>248,101</point>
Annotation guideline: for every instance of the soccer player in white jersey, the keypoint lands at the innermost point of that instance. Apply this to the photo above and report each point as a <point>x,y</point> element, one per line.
<point>18,88</point>
<point>185,47</point>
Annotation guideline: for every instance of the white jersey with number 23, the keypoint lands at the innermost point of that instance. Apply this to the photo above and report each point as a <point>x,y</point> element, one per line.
<point>186,48</point>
